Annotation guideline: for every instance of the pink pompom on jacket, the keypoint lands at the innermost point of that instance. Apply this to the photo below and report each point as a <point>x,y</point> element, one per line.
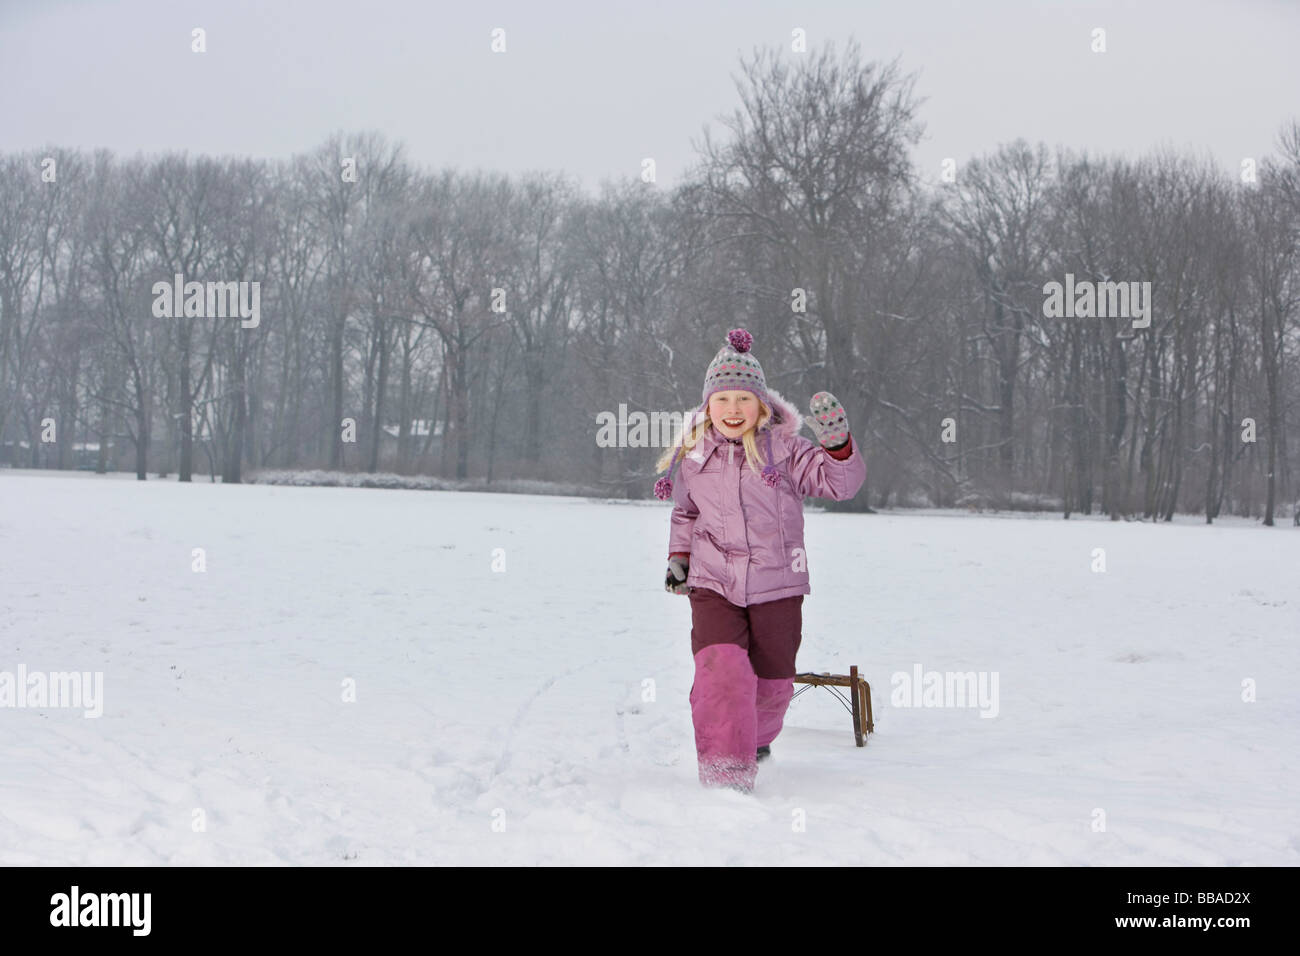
<point>744,537</point>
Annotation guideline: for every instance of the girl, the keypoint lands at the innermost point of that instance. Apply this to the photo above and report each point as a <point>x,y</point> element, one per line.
<point>736,548</point>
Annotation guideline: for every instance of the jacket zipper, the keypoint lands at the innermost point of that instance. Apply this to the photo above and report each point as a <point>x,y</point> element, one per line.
<point>740,513</point>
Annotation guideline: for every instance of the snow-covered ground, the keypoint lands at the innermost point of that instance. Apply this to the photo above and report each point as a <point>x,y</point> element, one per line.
<point>500,715</point>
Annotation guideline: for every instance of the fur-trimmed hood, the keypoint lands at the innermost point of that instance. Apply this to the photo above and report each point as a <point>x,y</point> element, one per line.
<point>786,418</point>
<point>777,439</point>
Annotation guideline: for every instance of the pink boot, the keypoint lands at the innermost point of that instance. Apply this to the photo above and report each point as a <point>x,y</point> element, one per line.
<point>723,708</point>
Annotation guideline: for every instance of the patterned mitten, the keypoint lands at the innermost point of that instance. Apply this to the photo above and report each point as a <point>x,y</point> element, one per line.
<point>675,580</point>
<point>828,420</point>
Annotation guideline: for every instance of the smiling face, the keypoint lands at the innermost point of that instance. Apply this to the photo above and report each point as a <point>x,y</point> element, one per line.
<point>733,412</point>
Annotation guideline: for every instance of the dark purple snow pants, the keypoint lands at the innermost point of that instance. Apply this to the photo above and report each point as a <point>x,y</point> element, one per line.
<point>744,678</point>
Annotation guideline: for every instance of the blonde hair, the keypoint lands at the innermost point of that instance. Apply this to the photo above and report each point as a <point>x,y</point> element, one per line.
<point>691,438</point>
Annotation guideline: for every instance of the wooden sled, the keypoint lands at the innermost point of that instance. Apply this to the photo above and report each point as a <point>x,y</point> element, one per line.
<point>858,701</point>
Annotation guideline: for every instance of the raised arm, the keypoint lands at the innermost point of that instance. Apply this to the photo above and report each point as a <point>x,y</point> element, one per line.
<point>821,473</point>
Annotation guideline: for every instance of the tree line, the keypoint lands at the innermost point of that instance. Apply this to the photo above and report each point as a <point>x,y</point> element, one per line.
<point>474,325</point>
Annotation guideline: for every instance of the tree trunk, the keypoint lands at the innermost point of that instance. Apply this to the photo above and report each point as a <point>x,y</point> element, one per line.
<point>336,384</point>
<point>381,387</point>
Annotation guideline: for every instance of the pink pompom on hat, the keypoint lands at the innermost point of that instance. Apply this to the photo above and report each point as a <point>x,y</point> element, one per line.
<point>732,369</point>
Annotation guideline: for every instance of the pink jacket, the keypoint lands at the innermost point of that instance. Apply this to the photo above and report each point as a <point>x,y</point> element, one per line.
<point>745,538</point>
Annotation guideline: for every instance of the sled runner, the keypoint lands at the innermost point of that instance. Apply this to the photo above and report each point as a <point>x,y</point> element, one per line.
<point>858,701</point>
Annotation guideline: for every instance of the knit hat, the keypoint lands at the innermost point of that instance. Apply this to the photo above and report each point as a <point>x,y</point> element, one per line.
<point>732,369</point>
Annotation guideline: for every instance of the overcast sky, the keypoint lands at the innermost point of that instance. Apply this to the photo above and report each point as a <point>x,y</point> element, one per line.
<point>591,87</point>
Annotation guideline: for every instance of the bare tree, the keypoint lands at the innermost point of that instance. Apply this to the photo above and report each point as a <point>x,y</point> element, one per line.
<point>1273,263</point>
<point>119,240</point>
